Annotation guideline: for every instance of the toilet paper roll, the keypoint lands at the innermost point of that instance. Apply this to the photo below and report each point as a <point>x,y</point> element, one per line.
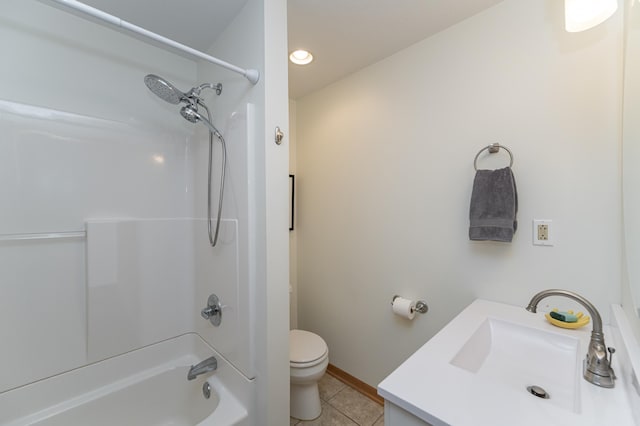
<point>404,307</point>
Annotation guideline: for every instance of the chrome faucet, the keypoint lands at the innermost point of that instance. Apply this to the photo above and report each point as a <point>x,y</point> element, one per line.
<point>596,367</point>
<point>208,365</point>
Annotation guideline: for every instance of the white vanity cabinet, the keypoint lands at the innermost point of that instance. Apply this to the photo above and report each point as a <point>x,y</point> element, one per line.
<point>396,416</point>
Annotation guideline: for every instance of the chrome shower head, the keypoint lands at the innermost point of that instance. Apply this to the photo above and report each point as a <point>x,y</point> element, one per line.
<point>190,113</point>
<point>163,89</point>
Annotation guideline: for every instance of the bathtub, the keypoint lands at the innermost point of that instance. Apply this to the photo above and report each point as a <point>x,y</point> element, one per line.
<point>145,387</point>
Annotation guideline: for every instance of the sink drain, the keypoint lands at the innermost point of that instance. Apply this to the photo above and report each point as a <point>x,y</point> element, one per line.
<point>538,391</point>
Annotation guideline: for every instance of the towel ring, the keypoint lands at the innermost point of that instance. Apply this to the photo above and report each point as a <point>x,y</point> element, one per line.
<point>493,148</point>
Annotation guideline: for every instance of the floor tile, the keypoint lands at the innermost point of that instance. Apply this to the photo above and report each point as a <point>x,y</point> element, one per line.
<point>329,386</point>
<point>356,406</point>
<point>329,417</point>
<point>380,421</point>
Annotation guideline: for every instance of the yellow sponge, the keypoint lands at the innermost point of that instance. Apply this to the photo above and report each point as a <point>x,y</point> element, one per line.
<point>582,320</point>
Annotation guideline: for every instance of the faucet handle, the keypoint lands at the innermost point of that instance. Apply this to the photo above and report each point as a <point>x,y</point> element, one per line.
<point>213,311</point>
<point>207,312</point>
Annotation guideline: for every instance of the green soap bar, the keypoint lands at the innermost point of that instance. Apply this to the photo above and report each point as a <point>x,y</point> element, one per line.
<point>563,316</point>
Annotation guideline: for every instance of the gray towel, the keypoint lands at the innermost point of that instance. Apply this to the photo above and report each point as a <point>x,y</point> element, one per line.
<point>494,204</point>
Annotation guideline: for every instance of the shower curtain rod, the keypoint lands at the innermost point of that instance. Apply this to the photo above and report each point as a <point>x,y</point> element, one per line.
<point>104,18</point>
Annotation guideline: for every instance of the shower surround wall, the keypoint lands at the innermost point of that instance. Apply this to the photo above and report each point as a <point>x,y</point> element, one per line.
<point>82,139</point>
<point>385,170</point>
<point>258,35</point>
<point>86,145</point>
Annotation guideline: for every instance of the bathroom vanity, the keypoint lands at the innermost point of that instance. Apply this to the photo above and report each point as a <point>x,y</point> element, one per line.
<point>497,364</point>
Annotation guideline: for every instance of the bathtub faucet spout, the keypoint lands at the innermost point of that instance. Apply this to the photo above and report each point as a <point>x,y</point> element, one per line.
<point>206,366</point>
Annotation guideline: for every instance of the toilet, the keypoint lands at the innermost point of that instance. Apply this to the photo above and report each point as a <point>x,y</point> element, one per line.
<point>308,360</point>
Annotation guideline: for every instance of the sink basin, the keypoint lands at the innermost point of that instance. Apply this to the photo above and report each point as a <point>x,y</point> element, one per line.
<point>476,371</point>
<point>516,357</point>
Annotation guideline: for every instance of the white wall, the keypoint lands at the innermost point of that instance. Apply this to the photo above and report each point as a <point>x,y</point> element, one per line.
<point>274,392</point>
<point>293,235</point>
<point>630,174</point>
<point>385,170</point>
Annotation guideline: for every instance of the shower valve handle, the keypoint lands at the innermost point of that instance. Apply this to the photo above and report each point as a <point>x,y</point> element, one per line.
<point>213,311</point>
<point>208,312</point>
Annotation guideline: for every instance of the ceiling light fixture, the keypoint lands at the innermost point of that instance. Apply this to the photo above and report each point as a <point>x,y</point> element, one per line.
<point>301,57</point>
<point>580,15</point>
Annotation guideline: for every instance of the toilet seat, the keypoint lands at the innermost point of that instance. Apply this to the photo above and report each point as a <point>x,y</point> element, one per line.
<point>306,349</point>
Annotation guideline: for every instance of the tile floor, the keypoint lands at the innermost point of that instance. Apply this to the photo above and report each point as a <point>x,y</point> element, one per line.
<point>343,406</point>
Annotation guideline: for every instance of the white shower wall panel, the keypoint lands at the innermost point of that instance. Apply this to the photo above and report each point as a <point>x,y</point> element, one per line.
<point>148,281</point>
<point>139,283</point>
<point>237,113</point>
<point>96,170</point>
<point>81,138</point>
<point>42,309</point>
<point>58,169</point>
<point>57,60</point>
<point>236,120</point>
<point>216,272</point>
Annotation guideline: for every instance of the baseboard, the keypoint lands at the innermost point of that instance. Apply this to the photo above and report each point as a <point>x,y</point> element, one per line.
<point>346,378</point>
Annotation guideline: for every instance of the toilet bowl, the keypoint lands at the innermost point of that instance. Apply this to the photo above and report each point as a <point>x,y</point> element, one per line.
<point>308,360</point>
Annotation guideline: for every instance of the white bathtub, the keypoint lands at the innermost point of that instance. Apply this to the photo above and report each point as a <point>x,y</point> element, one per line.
<point>146,387</point>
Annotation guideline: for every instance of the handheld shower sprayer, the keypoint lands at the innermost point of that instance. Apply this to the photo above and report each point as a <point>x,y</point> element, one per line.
<point>190,113</point>
<point>169,93</point>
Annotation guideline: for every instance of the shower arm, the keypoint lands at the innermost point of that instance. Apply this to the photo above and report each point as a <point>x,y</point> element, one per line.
<point>193,98</point>
<point>195,91</point>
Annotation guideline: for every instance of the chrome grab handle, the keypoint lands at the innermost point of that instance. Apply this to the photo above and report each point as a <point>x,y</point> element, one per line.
<point>213,311</point>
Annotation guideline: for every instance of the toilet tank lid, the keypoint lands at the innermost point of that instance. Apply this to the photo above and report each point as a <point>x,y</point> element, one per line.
<point>305,346</point>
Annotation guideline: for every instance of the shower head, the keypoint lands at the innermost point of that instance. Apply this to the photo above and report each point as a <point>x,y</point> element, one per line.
<point>168,92</point>
<point>190,113</point>
<point>163,89</point>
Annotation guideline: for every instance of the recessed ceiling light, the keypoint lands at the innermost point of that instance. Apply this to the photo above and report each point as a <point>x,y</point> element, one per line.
<point>301,57</point>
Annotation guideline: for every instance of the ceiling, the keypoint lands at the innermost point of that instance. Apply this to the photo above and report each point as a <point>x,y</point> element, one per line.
<point>343,35</point>
<point>347,35</point>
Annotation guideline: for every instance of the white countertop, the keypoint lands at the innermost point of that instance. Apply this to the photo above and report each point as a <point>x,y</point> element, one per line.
<point>428,386</point>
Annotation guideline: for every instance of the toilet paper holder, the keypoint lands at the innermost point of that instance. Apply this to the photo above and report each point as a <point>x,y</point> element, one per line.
<point>421,306</point>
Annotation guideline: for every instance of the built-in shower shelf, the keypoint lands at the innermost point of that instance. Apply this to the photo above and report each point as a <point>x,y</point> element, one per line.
<point>43,236</point>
